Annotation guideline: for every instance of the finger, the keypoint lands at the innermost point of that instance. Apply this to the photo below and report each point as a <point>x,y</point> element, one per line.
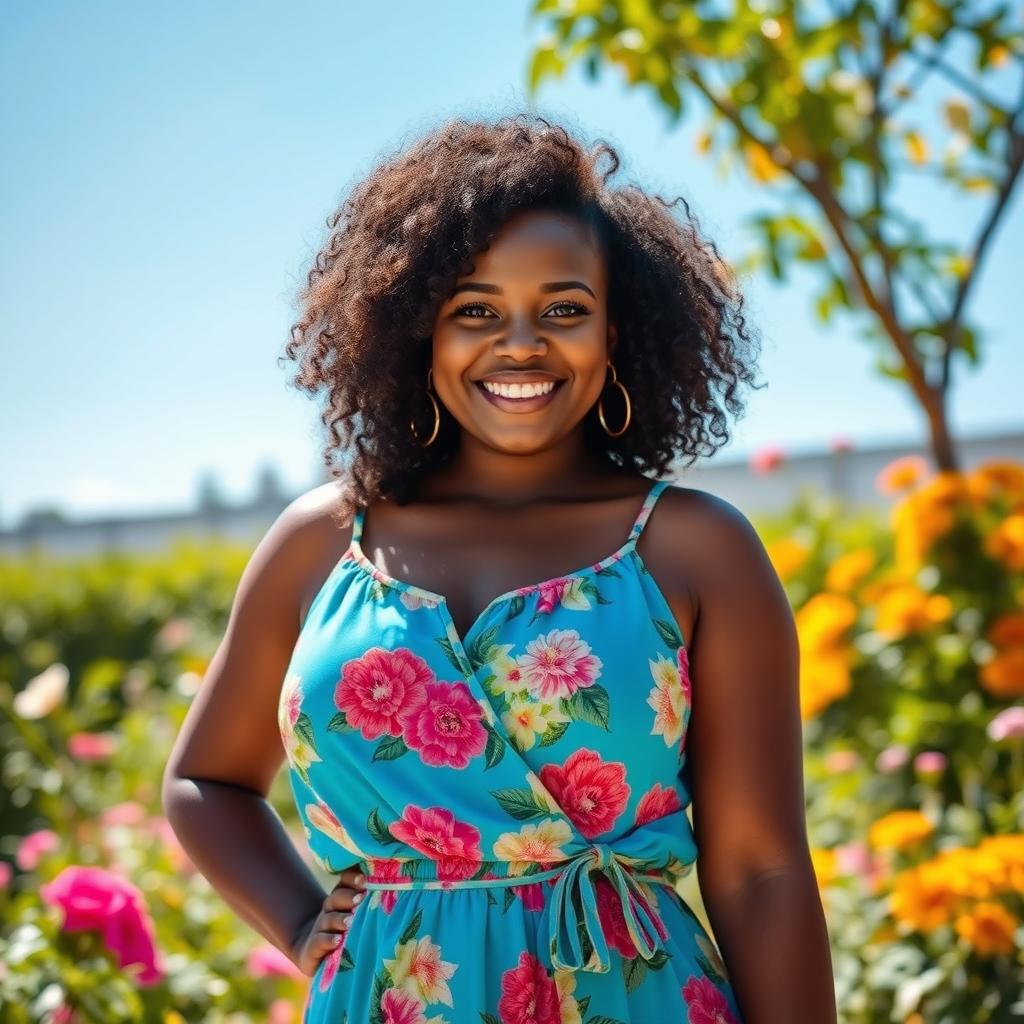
<point>343,899</point>
<point>335,920</point>
<point>350,878</point>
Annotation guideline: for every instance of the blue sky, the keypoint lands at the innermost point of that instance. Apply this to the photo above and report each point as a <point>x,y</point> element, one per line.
<point>167,173</point>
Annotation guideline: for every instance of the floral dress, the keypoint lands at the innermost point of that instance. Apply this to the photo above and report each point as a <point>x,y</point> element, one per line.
<point>516,797</point>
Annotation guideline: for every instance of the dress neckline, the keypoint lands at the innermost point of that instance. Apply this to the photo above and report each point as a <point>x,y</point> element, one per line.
<point>359,557</point>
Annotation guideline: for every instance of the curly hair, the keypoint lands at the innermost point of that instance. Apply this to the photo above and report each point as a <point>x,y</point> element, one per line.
<point>406,232</point>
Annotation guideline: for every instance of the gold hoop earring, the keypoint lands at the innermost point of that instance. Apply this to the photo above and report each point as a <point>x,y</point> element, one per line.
<point>437,415</point>
<point>629,409</point>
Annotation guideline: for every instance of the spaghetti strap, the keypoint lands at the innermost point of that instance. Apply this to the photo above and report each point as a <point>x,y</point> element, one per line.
<point>645,510</point>
<point>357,525</point>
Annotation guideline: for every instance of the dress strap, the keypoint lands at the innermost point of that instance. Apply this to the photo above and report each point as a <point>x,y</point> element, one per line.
<point>357,525</point>
<point>646,509</point>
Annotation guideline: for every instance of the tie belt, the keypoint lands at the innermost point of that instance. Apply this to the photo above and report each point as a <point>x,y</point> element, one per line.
<point>573,885</point>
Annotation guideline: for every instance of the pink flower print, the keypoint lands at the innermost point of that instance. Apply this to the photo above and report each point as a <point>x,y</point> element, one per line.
<point>559,664</point>
<point>528,994</point>
<point>592,792</point>
<point>381,689</point>
<point>398,1006</point>
<point>658,801</point>
<point>453,845</point>
<point>613,921</point>
<point>385,869</point>
<point>446,728</point>
<point>531,894</point>
<point>706,1003</point>
<point>683,661</point>
<point>330,964</point>
<point>551,593</point>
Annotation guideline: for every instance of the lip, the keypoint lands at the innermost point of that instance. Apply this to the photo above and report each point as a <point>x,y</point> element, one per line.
<point>520,404</point>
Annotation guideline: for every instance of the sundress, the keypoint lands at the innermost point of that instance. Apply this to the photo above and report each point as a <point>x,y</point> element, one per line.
<point>516,797</point>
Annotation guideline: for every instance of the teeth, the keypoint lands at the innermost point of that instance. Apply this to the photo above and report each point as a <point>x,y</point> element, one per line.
<point>519,390</point>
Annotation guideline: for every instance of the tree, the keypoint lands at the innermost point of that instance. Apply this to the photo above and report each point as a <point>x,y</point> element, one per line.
<point>828,99</point>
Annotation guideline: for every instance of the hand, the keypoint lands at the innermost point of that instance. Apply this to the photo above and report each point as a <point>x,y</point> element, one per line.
<point>323,933</point>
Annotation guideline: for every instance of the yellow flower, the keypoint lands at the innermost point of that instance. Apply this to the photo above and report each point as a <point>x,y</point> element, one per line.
<point>508,676</point>
<point>526,719</point>
<point>824,864</point>
<point>787,556</point>
<point>418,969</point>
<point>1007,477</point>
<point>906,608</point>
<point>541,841</point>
<point>823,620</point>
<point>667,699</point>
<point>824,678</point>
<point>1006,542</point>
<point>898,830</point>
<point>568,1008</point>
<point>988,928</point>
<point>849,569</point>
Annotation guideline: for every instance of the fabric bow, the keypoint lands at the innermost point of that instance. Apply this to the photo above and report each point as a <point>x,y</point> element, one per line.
<point>574,887</point>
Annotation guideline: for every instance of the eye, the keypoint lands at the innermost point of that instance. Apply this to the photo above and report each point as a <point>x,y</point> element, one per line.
<point>575,309</point>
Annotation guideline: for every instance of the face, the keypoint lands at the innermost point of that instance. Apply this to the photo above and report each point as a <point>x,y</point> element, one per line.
<point>520,348</point>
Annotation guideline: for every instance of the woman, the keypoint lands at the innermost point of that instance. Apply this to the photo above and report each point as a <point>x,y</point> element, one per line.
<point>498,656</point>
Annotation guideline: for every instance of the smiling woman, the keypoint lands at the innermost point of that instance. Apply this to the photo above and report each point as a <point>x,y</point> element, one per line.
<point>486,707</point>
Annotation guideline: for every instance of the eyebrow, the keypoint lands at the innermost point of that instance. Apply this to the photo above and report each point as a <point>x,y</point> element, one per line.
<point>493,289</point>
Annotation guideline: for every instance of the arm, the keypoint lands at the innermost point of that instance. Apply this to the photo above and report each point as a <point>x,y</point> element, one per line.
<point>229,748</point>
<point>745,745</point>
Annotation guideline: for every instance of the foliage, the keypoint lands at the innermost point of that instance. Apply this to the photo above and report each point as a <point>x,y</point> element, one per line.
<point>847,106</point>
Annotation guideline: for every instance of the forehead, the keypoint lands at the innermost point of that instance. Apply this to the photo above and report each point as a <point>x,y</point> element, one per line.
<point>538,243</point>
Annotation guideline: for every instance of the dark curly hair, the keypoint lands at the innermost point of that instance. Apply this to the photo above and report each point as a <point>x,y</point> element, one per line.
<point>406,233</point>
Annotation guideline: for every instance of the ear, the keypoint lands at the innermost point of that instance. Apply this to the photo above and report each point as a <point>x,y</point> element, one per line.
<point>613,339</point>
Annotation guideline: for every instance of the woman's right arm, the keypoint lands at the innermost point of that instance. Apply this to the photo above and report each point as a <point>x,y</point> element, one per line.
<point>229,749</point>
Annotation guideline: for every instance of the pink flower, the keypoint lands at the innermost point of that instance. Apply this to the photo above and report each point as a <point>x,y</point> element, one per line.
<point>381,689</point>
<point>94,899</point>
<point>683,662</point>
<point>127,813</point>
<point>34,847</point>
<point>658,801</point>
<point>592,792</point>
<point>532,895</point>
<point>528,994</point>
<point>281,1011</point>
<point>559,664</point>
<point>6,873</point>
<point>613,921</point>
<point>930,763</point>
<point>1007,725</point>
<point>91,746</point>
<point>267,961</point>
<point>551,593</point>
<point>892,759</point>
<point>767,459</point>
<point>385,869</point>
<point>706,1003</point>
<point>330,964</point>
<point>433,831</point>
<point>446,728</point>
<point>397,1006</point>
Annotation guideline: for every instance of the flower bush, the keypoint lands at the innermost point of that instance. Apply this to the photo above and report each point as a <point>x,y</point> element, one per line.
<point>912,673</point>
<point>912,659</point>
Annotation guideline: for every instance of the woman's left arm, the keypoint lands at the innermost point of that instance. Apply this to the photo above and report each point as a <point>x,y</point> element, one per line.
<point>745,748</point>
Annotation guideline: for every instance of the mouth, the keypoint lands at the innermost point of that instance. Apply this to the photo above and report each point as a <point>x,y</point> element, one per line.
<point>520,397</point>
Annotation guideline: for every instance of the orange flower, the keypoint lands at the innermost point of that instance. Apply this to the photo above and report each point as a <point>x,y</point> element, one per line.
<point>921,898</point>
<point>1003,675</point>
<point>1006,542</point>
<point>787,556</point>
<point>901,474</point>
<point>899,830</point>
<point>849,569</point>
<point>824,678</point>
<point>988,928</point>
<point>906,608</point>
<point>1007,629</point>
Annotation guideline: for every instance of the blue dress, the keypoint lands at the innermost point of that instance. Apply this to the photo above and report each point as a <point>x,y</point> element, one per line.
<point>516,797</point>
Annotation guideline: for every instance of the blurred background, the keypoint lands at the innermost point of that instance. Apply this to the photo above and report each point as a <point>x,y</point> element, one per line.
<point>167,177</point>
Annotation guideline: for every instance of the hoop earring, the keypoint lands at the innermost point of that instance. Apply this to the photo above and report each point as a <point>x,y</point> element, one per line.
<point>629,409</point>
<point>437,415</point>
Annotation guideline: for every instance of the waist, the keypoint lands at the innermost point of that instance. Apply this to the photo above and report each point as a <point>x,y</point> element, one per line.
<point>578,920</point>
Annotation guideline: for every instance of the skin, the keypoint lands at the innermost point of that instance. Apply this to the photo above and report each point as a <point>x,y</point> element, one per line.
<point>523,501</point>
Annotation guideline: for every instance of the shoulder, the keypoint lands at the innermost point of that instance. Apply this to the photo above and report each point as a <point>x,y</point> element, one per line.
<point>708,540</point>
